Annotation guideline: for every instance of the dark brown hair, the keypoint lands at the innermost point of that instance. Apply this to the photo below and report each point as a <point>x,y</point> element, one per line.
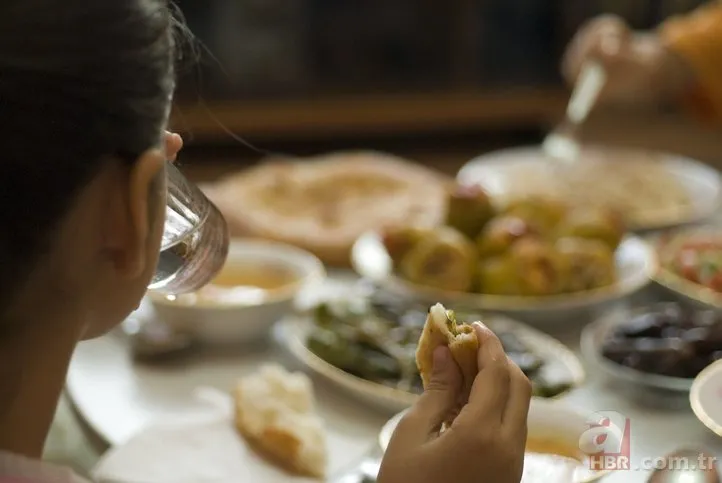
<point>82,82</point>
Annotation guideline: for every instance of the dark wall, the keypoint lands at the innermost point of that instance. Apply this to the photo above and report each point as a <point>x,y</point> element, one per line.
<point>277,48</point>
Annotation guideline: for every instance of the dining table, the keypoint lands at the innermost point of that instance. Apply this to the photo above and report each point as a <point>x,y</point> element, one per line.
<point>660,421</point>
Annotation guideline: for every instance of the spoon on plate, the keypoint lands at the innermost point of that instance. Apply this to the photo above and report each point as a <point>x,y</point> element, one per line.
<point>687,465</point>
<point>366,472</point>
<point>562,144</point>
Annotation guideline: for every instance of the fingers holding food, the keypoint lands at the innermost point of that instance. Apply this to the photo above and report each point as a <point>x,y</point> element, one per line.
<point>520,393</point>
<point>442,329</point>
<point>486,437</point>
<point>493,372</point>
<point>438,404</point>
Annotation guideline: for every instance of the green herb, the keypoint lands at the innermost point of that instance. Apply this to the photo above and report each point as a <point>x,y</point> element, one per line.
<point>451,321</point>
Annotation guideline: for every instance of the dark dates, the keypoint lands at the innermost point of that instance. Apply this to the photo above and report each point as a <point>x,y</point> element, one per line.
<point>667,340</point>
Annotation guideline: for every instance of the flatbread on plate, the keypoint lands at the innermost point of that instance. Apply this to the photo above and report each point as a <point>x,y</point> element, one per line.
<point>323,204</point>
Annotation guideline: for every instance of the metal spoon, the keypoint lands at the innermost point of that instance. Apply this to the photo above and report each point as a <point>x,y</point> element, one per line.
<point>366,472</point>
<point>563,143</point>
<point>152,339</point>
<point>687,465</point>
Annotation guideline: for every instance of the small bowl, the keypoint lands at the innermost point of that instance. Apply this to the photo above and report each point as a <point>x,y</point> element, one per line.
<point>592,340</point>
<point>547,420</point>
<point>249,314</point>
<point>705,397</point>
<point>686,291</point>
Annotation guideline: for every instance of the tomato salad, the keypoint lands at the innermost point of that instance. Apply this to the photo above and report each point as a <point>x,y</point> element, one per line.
<point>699,260</point>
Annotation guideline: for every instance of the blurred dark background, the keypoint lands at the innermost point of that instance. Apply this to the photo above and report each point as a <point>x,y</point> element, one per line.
<point>435,81</point>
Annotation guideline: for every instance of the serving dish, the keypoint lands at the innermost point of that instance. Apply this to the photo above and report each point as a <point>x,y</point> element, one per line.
<point>561,367</point>
<point>635,262</point>
<point>689,190</point>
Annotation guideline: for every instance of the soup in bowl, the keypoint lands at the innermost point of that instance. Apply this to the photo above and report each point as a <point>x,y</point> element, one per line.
<point>552,448</point>
<point>257,286</point>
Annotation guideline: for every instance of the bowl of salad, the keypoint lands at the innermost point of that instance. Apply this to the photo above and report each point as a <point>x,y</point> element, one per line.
<point>691,265</point>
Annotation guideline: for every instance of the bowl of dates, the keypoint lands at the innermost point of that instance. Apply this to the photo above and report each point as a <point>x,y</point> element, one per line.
<point>664,346</point>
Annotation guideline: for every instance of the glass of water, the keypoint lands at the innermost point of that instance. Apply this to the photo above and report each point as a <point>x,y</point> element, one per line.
<point>195,239</point>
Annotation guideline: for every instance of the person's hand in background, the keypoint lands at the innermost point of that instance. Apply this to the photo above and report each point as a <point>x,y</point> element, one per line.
<point>486,441</point>
<point>640,69</point>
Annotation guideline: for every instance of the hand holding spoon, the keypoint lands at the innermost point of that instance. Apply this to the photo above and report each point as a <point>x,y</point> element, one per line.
<point>563,144</point>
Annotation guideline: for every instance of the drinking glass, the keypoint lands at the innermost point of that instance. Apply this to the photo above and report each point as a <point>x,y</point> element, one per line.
<point>195,239</point>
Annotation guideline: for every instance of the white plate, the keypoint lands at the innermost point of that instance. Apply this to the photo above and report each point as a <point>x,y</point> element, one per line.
<point>498,172</point>
<point>561,363</point>
<point>705,397</point>
<point>118,397</point>
<point>686,290</point>
<point>547,419</point>
<point>593,338</point>
<point>210,451</point>
<point>636,262</point>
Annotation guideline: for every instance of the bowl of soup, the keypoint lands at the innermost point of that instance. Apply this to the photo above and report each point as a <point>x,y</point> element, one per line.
<point>553,453</point>
<point>256,287</point>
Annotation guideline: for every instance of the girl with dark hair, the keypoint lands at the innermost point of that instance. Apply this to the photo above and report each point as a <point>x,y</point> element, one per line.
<point>85,94</point>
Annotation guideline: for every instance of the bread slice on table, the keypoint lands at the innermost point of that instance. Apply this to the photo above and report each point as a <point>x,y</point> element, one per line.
<point>275,412</point>
<point>442,329</point>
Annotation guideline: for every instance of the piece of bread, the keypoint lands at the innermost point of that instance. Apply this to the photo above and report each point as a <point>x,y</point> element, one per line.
<point>442,328</point>
<point>275,412</point>
<point>324,203</point>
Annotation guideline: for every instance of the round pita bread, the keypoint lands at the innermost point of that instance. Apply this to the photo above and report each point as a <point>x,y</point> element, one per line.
<point>323,204</point>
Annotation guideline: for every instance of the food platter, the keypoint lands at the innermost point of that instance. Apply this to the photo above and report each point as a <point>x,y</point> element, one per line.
<point>323,203</point>
<point>677,190</point>
<point>294,331</point>
<point>686,290</point>
<point>635,263</point>
<point>643,325</point>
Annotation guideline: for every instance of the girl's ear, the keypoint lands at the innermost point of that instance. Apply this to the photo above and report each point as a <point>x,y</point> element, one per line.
<point>144,175</point>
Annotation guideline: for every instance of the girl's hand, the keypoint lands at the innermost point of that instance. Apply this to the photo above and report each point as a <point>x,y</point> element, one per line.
<point>640,69</point>
<point>486,440</point>
<point>173,144</point>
